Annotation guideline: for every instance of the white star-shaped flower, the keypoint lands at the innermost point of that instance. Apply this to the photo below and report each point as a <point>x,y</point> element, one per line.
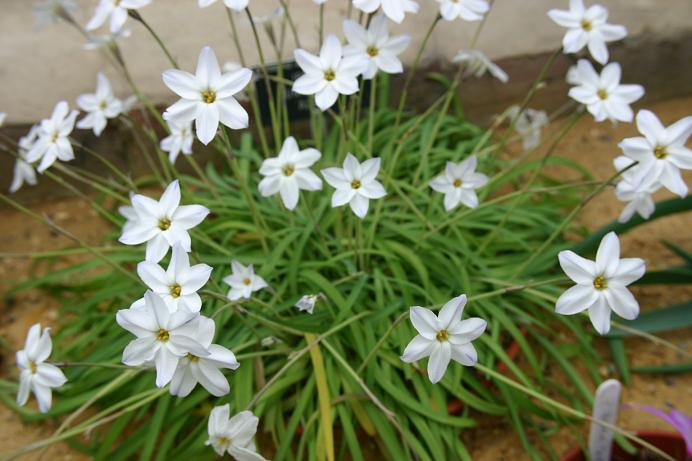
<point>636,192</point>
<point>661,151</point>
<point>207,97</point>
<point>603,95</point>
<point>355,184</point>
<point>178,284</point>
<point>35,375</point>
<point>243,281</point>
<point>23,171</point>
<point>163,337</point>
<point>468,10</point>
<point>329,74</point>
<point>116,10</point>
<point>236,5</point>
<point>162,223</point>
<point>528,124</point>
<point>53,141</point>
<point>180,140</point>
<point>48,12</point>
<point>394,9</point>
<point>443,337</point>
<point>233,435</point>
<point>375,46</point>
<point>96,42</point>
<point>99,106</point>
<point>601,286</point>
<point>587,27</point>
<point>289,172</point>
<point>478,64</point>
<point>204,370</point>
<point>307,303</point>
<point>459,182</point>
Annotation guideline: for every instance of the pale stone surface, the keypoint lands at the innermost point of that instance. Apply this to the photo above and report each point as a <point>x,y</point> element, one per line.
<point>38,68</point>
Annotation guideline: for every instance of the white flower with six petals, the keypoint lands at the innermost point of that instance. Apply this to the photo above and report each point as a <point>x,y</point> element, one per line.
<point>636,192</point>
<point>355,184</point>
<point>99,106</point>
<point>394,9</point>
<point>116,10</point>
<point>243,281</point>
<point>459,182</point>
<point>443,337</point>
<point>53,141</point>
<point>24,171</point>
<point>233,435</point>
<point>468,10</point>
<point>180,140</point>
<point>601,285</point>
<point>477,64</point>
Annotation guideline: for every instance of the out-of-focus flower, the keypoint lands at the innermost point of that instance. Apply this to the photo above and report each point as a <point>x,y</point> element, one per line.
<point>443,337</point>
<point>355,184</point>
<point>459,182</point>
<point>163,337</point>
<point>233,435</point>
<point>96,42</point>
<point>35,375</point>
<point>375,46</point>
<point>180,140</point>
<point>24,171</point>
<point>680,421</point>
<point>603,95</point>
<point>48,12</point>
<point>3,116</point>
<point>243,281</point>
<point>207,97</point>
<point>601,286</point>
<point>99,106</point>
<point>478,64</point>
<point>178,284</point>
<point>236,5</point>
<point>528,124</point>
<point>394,9</point>
<point>329,74</point>
<point>307,303</point>
<point>162,223</point>
<point>204,370</point>
<point>468,10</point>
<point>636,192</point>
<point>116,10</point>
<point>53,138</point>
<point>661,151</point>
<point>289,172</point>
<point>587,27</point>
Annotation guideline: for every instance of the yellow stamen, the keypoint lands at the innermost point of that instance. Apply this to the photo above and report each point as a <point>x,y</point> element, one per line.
<point>247,281</point>
<point>602,94</point>
<point>372,51</point>
<point>457,183</point>
<point>175,290</point>
<point>442,335</point>
<point>355,184</point>
<point>660,152</point>
<point>162,335</point>
<point>192,358</point>
<point>32,367</point>
<point>164,224</point>
<point>600,282</point>
<point>329,75</point>
<point>288,169</point>
<point>586,25</point>
<point>209,96</point>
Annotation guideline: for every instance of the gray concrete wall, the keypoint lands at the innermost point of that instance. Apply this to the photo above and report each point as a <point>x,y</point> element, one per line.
<point>38,68</point>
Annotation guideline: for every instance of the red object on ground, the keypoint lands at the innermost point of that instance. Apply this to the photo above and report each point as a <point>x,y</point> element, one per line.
<point>670,442</point>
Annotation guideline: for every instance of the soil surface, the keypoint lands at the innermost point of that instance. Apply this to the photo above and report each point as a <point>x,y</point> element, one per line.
<point>592,145</point>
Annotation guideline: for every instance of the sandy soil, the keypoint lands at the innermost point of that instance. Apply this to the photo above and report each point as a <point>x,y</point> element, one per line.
<point>594,146</point>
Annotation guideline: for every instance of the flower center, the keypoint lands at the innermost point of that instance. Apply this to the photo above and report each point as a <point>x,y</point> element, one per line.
<point>103,105</point>
<point>442,336</point>
<point>457,183</point>
<point>164,224</point>
<point>175,290</point>
<point>224,441</point>
<point>600,282</point>
<point>209,96</point>
<point>586,25</point>
<point>288,169</point>
<point>329,75</point>
<point>355,184</point>
<point>660,152</point>
<point>372,51</point>
<point>192,358</point>
<point>602,93</point>
<point>162,335</point>
<point>247,281</point>
<point>32,367</point>
<point>54,137</point>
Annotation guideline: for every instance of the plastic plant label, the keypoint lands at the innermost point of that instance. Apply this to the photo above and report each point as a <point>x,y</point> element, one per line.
<point>605,408</point>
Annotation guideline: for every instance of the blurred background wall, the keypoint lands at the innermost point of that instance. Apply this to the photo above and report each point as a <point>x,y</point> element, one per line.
<point>40,67</point>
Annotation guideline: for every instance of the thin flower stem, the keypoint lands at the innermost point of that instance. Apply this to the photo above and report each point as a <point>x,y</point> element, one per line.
<point>106,190</point>
<point>69,235</point>
<point>570,411</point>
<point>412,72</point>
<point>539,251</point>
<point>198,170</point>
<point>293,358</point>
<point>265,75</point>
<point>291,24</point>
<point>138,17</point>
<point>371,114</point>
<point>107,163</point>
